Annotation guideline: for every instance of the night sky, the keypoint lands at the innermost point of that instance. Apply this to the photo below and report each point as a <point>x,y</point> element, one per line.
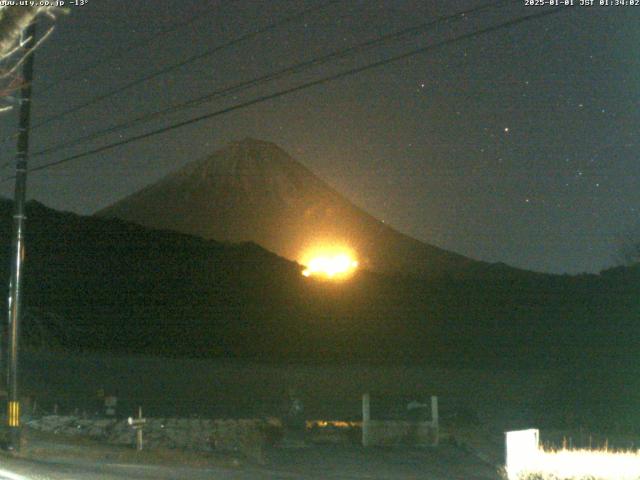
<point>519,145</point>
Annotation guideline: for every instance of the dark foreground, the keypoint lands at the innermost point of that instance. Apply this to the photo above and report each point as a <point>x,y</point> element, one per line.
<point>476,407</point>
<point>43,459</point>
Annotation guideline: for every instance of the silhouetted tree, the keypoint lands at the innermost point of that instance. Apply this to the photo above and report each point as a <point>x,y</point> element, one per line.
<point>13,21</point>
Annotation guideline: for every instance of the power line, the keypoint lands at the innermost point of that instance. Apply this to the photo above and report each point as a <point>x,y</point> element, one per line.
<point>116,54</point>
<point>133,46</point>
<point>298,88</point>
<point>296,68</point>
<point>193,58</point>
<point>303,86</point>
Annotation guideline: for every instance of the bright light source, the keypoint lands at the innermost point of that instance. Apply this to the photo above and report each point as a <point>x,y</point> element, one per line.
<point>522,451</point>
<point>601,464</point>
<point>525,459</point>
<point>330,265</point>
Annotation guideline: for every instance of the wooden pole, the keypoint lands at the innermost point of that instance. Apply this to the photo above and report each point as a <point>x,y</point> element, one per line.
<point>366,418</point>
<point>139,431</point>
<point>19,221</point>
<point>435,420</point>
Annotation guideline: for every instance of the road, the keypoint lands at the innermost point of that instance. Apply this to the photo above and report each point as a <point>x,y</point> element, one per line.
<point>316,463</point>
<point>20,469</point>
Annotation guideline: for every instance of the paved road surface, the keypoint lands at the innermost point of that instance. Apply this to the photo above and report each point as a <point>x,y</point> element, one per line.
<point>318,463</point>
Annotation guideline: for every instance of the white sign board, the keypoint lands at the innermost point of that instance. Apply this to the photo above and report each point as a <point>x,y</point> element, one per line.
<point>521,450</point>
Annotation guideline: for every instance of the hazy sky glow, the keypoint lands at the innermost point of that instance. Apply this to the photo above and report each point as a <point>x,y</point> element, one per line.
<point>517,146</point>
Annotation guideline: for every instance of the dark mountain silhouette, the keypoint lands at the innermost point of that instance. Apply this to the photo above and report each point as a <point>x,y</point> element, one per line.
<point>254,191</point>
<point>105,284</point>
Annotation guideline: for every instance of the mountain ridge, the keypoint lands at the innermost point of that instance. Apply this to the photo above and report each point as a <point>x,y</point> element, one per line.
<point>252,190</point>
<point>108,284</point>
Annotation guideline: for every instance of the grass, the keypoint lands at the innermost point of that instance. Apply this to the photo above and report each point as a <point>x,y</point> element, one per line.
<point>581,464</point>
<point>44,445</point>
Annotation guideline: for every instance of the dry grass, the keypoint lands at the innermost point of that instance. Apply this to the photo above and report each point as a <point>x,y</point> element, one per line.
<point>581,464</point>
<point>44,445</point>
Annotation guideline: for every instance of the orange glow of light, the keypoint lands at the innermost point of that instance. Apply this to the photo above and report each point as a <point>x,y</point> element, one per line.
<point>330,265</point>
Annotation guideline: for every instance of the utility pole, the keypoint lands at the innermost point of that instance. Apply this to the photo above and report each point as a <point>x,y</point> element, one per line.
<point>19,217</point>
